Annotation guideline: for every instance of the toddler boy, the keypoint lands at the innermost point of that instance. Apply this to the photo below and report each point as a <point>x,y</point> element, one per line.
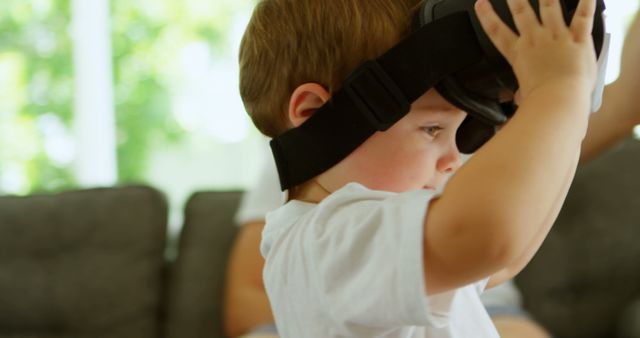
<point>370,247</point>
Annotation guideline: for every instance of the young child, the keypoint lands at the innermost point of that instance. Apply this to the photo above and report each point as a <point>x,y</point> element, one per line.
<point>368,248</point>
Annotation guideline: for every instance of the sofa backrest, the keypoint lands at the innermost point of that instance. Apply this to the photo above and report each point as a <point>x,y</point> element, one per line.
<point>85,263</point>
<point>196,285</point>
<point>587,272</point>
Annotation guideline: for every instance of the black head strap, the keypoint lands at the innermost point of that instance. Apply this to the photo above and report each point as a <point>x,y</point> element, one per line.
<point>374,97</point>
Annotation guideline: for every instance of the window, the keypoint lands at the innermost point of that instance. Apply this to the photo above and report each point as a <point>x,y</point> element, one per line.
<point>175,116</point>
<point>161,107</point>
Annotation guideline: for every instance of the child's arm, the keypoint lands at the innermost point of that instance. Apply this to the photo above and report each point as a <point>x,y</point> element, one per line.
<point>620,112</point>
<point>493,208</point>
<point>516,266</point>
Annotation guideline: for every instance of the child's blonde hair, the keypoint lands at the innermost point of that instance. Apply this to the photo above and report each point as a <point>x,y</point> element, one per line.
<point>291,42</point>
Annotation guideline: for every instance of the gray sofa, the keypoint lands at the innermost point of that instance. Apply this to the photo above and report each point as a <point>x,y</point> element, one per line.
<point>92,263</point>
<point>585,280</point>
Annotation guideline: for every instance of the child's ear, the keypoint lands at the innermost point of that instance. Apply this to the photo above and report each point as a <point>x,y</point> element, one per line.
<point>305,100</point>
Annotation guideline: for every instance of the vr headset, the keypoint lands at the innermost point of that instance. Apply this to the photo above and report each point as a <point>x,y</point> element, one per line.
<point>447,50</point>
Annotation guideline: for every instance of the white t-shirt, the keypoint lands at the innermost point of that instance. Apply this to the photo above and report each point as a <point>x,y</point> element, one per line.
<point>265,196</point>
<point>351,266</point>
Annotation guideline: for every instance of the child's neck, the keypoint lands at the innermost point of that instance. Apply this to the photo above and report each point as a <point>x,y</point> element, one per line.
<point>311,191</point>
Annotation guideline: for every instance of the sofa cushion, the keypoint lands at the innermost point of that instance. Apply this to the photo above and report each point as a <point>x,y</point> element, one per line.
<point>629,325</point>
<point>196,283</point>
<point>84,263</point>
<point>587,271</point>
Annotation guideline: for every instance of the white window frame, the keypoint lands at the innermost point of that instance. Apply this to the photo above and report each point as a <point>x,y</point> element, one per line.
<point>94,112</point>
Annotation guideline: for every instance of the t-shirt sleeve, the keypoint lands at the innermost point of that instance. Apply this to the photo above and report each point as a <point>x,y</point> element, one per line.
<point>368,262</point>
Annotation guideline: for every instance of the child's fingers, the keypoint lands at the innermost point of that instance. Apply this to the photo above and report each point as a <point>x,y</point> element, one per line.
<point>498,32</point>
<point>582,22</point>
<point>551,15</point>
<point>523,15</point>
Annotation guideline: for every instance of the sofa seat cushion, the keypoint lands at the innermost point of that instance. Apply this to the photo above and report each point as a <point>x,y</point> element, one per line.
<point>196,284</point>
<point>84,263</point>
<point>587,271</point>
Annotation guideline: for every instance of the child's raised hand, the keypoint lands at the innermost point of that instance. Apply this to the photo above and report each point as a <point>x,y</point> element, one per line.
<point>546,51</point>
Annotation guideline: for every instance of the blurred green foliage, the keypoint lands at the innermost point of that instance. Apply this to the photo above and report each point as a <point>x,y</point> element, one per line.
<point>36,79</point>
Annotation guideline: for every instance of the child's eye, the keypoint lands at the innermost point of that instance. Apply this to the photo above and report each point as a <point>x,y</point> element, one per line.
<point>432,130</point>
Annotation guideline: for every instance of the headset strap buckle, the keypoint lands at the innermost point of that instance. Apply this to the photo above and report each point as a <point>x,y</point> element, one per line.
<point>376,96</point>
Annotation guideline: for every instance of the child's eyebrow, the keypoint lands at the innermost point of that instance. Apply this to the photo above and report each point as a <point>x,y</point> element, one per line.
<point>442,108</point>
<point>437,108</point>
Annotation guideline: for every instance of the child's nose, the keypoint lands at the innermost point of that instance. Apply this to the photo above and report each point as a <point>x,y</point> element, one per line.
<point>450,161</point>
